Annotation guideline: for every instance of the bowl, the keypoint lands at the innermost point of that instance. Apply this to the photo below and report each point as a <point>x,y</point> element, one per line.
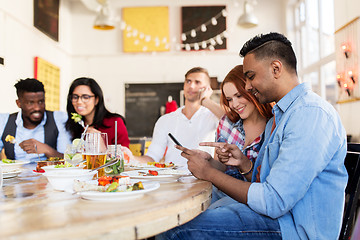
<point>64,180</point>
<point>10,167</point>
<point>52,168</point>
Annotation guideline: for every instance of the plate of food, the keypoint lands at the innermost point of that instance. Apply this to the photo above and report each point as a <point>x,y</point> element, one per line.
<point>48,162</point>
<point>61,167</point>
<point>8,165</point>
<point>114,190</point>
<point>152,166</point>
<point>163,174</point>
<point>11,174</point>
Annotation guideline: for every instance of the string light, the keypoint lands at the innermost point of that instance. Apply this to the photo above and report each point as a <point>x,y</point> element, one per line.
<point>205,44</point>
<point>213,21</point>
<point>183,37</point>
<point>346,49</point>
<point>203,28</point>
<point>196,46</point>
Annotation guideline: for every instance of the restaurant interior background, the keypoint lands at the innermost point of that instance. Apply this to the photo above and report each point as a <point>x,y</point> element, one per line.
<point>80,50</point>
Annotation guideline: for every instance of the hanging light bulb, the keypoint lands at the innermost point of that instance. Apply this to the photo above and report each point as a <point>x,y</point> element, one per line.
<point>212,42</point>
<point>219,40</point>
<point>135,33</point>
<point>141,35</point>
<point>203,28</point>
<point>225,34</point>
<point>147,38</point>
<point>183,37</point>
<point>224,12</point>
<point>187,47</point>
<point>193,33</point>
<point>213,21</point>
<point>145,49</point>
<point>203,45</point>
<point>104,20</point>
<point>122,25</point>
<point>212,48</point>
<point>196,46</point>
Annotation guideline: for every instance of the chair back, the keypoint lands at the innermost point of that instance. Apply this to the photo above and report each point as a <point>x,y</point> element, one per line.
<point>353,147</point>
<point>352,191</point>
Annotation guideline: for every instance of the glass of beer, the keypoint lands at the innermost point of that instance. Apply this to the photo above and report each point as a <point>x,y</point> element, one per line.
<point>95,150</point>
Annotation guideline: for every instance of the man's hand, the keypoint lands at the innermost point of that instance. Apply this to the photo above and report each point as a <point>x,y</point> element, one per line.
<point>205,93</point>
<point>29,147</point>
<point>228,154</point>
<point>198,162</point>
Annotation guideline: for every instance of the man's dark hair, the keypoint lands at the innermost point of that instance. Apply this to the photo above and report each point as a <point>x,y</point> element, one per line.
<point>28,85</point>
<point>271,45</point>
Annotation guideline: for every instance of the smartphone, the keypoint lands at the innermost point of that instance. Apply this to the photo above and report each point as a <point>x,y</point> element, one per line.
<point>174,139</point>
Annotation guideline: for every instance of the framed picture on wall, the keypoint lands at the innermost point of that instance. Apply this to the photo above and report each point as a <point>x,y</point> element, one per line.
<point>46,17</point>
<point>204,28</point>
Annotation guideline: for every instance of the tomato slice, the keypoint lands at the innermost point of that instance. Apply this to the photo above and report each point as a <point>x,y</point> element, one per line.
<point>154,173</point>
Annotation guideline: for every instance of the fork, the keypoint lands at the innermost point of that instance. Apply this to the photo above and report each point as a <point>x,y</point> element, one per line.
<point>37,152</point>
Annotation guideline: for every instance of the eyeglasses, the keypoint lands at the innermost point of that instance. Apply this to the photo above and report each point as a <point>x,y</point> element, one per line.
<point>84,98</point>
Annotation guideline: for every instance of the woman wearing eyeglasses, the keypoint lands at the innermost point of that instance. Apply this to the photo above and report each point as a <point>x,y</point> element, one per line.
<point>86,98</point>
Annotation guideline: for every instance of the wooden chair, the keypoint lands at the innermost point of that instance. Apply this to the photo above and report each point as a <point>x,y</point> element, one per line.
<point>352,191</point>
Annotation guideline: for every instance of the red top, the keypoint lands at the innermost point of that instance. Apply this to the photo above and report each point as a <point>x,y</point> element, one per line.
<point>171,106</point>
<point>122,134</point>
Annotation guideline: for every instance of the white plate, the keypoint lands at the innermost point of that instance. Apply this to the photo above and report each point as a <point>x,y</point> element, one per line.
<point>135,174</point>
<point>147,167</point>
<point>119,196</point>
<point>51,168</point>
<point>8,167</point>
<point>11,174</point>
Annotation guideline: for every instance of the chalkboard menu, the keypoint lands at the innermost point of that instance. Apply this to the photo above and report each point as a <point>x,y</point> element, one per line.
<point>143,103</point>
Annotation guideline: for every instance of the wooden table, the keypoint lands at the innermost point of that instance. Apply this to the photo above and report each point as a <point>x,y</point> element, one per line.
<point>30,209</point>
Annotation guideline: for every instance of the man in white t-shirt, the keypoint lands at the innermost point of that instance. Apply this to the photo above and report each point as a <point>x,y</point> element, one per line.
<point>189,124</point>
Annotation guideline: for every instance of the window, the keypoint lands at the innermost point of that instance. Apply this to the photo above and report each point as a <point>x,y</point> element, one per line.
<point>314,44</point>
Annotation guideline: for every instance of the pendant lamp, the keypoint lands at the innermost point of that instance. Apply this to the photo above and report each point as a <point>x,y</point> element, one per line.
<point>248,19</point>
<point>104,20</point>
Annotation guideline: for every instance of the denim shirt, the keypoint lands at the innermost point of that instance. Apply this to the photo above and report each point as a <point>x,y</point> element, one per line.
<point>302,176</point>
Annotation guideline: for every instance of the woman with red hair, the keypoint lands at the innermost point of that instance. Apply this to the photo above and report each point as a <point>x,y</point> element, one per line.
<point>244,121</point>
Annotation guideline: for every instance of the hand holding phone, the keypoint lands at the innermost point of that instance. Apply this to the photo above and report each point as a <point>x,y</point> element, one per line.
<point>174,139</point>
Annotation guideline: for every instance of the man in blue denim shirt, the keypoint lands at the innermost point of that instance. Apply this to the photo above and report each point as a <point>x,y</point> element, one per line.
<point>300,189</point>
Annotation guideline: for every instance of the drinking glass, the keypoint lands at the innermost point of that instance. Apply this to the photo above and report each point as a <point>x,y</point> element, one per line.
<point>73,154</point>
<point>95,150</point>
<point>119,167</point>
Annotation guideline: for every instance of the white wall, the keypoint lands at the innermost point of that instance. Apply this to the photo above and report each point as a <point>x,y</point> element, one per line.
<point>345,11</point>
<point>83,51</point>
<point>20,42</point>
<point>98,54</point>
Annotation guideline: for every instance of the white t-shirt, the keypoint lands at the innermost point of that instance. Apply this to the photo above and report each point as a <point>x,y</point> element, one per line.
<point>189,132</point>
